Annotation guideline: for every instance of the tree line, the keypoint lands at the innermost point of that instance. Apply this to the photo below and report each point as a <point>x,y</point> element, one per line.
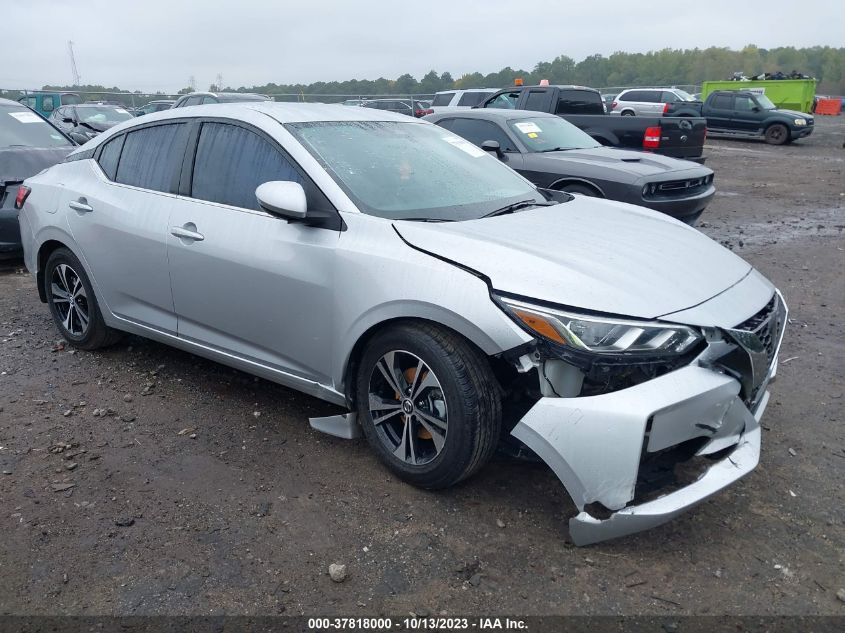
<point>657,68</point>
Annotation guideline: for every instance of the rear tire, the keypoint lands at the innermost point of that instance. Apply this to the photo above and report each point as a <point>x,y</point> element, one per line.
<point>629,113</point>
<point>73,305</point>
<point>777,134</point>
<point>428,404</point>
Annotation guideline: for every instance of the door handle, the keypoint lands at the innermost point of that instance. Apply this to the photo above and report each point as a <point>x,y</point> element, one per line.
<point>183,232</point>
<point>80,205</point>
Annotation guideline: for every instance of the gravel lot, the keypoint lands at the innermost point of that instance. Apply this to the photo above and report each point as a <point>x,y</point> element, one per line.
<point>144,480</point>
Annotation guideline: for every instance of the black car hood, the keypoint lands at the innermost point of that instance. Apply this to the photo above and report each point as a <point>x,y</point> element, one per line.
<point>18,163</point>
<point>97,126</point>
<point>637,164</point>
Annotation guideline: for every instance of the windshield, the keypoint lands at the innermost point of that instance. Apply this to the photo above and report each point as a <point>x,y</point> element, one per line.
<point>765,102</point>
<point>21,127</point>
<point>108,115</point>
<point>414,171</point>
<point>549,134</point>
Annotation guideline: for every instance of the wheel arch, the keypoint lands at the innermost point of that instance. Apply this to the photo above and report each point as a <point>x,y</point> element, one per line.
<point>471,334</point>
<point>574,180</point>
<point>45,249</point>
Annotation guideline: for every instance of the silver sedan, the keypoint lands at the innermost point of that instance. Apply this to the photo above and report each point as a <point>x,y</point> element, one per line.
<point>388,266</point>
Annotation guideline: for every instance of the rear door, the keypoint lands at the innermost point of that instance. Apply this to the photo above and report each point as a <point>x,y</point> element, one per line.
<point>719,109</point>
<point>246,282</point>
<point>118,213</point>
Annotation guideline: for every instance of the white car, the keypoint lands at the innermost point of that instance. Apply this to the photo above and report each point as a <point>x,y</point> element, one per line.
<point>647,101</point>
<point>390,267</point>
<point>461,98</point>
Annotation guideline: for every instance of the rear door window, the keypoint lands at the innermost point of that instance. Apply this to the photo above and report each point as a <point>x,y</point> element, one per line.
<point>152,157</point>
<point>472,98</point>
<point>443,99</point>
<point>536,100</point>
<point>47,103</point>
<point>722,102</point>
<point>573,101</point>
<point>232,161</point>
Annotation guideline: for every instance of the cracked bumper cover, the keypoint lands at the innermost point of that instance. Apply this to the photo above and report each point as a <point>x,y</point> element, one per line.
<point>594,445</point>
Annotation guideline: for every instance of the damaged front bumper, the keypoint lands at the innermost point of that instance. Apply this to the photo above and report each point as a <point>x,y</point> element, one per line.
<point>703,417</point>
<point>595,445</point>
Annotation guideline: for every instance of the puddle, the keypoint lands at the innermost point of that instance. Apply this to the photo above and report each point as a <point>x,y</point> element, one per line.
<point>825,222</point>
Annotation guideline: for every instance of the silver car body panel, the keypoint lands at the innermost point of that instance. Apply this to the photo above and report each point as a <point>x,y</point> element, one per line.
<point>613,257</point>
<point>314,294</point>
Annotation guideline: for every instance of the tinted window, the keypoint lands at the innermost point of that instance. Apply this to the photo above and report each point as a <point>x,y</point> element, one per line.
<point>192,101</point>
<point>536,100</point>
<point>71,99</point>
<point>232,161</point>
<point>206,100</point>
<point>21,126</point>
<point>47,104</point>
<point>152,157</point>
<point>109,156</point>
<point>743,103</point>
<point>472,98</point>
<point>443,99</point>
<point>669,97</point>
<point>579,102</point>
<point>722,102</point>
<point>477,131</point>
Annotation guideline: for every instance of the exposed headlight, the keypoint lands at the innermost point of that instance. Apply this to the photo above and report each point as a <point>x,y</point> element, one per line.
<point>800,122</point>
<point>601,335</point>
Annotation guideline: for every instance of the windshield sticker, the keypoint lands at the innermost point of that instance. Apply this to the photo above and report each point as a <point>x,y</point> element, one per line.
<point>466,146</point>
<point>532,135</point>
<point>26,117</point>
<point>528,127</point>
<point>121,111</point>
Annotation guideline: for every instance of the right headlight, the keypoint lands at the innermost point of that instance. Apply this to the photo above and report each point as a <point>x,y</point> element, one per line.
<point>800,122</point>
<point>601,335</point>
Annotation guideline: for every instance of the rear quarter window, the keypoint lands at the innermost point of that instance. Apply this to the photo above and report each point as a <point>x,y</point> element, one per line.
<point>443,99</point>
<point>472,98</point>
<point>579,102</point>
<point>110,155</point>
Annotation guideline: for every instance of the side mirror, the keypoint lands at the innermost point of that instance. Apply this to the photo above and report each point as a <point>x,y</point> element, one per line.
<point>755,109</point>
<point>492,146</point>
<point>283,198</point>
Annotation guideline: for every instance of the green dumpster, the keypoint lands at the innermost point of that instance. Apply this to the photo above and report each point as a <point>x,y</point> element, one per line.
<point>790,94</point>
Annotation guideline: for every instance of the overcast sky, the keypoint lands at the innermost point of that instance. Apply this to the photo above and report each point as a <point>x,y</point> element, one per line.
<point>158,44</point>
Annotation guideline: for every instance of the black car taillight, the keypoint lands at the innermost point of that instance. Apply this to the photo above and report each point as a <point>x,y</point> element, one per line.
<point>23,194</point>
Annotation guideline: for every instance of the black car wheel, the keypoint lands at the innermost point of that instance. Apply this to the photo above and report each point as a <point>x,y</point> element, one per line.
<point>628,113</point>
<point>73,304</point>
<point>777,134</point>
<point>428,403</point>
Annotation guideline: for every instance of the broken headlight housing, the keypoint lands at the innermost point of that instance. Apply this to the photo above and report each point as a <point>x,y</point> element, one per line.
<point>599,334</point>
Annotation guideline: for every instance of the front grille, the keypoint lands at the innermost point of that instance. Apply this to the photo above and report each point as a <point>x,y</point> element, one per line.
<point>686,187</point>
<point>766,325</point>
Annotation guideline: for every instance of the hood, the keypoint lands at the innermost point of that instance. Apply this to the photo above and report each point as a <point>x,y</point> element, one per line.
<point>591,254</point>
<point>98,126</point>
<point>795,114</point>
<point>18,163</point>
<point>636,164</point>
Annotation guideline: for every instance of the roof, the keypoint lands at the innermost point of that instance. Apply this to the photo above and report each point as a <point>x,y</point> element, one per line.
<point>489,114</point>
<point>9,102</point>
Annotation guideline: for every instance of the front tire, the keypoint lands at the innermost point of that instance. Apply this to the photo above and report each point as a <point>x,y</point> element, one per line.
<point>72,303</point>
<point>584,190</point>
<point>429,404</point>
<point>777,134</point>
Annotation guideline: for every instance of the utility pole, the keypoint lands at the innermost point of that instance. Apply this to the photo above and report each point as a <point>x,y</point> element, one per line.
<point>219,83</point>
<point>192,82</point>
<point>76,80</point>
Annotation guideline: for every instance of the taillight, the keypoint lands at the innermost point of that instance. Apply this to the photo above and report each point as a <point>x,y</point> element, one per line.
<point>665,108</point>
<point>23,194</point>
<point>613,106</point>
<point>419,113</point>
<point>651,140</point>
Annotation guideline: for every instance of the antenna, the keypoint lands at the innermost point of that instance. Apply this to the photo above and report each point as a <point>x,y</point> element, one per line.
<point>73,69</point>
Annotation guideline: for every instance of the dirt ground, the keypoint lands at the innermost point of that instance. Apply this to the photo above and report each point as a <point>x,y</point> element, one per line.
<point>144,480</point>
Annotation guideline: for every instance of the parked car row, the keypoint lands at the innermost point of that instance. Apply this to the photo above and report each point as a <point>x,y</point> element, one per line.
<point>393,267</point>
